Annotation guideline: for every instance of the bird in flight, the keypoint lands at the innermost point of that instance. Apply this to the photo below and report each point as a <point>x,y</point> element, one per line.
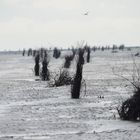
<point>86,13</point>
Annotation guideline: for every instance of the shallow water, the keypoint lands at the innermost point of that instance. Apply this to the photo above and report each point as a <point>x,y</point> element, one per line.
<point>30,109</point>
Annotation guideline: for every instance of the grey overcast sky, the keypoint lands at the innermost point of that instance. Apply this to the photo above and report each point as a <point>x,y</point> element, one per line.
<point>32,23</point>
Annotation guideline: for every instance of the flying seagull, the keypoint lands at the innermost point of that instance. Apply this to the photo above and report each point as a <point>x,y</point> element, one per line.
<point>86,13</point>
